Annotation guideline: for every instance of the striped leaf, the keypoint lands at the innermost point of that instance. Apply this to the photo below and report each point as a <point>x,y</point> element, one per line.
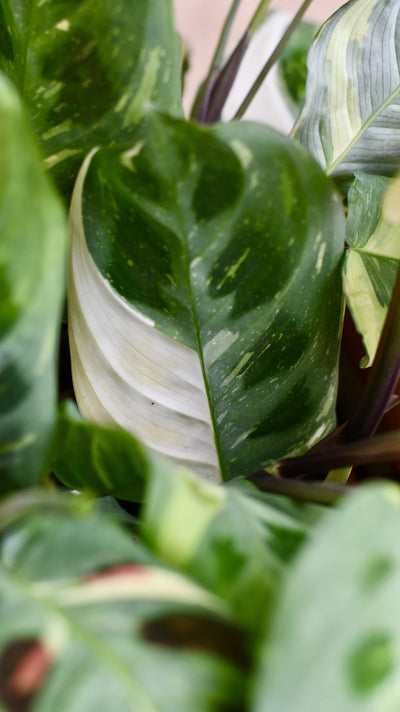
<point>205,294</point>
<point>32,257</point>
<point>351,118</point>
<point>90,622</point>
<point>85,70</point>
<point>372,261</point>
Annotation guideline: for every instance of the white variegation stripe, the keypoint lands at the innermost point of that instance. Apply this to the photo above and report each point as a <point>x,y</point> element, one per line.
<point>351,116</point>
<point>127,372</point>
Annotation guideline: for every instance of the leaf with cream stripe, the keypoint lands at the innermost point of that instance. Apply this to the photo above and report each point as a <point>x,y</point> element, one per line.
<point>86,69</point>
<point>351,118</point>
<point>204,294</point>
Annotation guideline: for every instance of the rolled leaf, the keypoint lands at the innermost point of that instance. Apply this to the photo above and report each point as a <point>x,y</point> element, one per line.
<point>32,263</point>
<point>86,70</point>
<point>372,262</point>
<point>336,635</point>
<point>87,623</point>
<point>351,117</point>
<point>204,294</point>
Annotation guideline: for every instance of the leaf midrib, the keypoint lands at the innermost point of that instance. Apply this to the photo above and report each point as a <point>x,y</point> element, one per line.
<point>362,130</point>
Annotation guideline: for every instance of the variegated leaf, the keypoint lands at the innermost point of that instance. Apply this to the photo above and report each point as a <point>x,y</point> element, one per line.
<point>86,69</point>
<point>351,118</point>
<point>32,265</point>
<point>204,294</point>
<point>373,259</point>
<point>91,621</point>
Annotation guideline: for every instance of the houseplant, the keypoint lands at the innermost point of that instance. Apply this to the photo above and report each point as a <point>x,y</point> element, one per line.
<point>205,314</point>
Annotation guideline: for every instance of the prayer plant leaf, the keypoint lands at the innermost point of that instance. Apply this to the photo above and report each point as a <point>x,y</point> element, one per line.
<point>86,69</point>
<point>90,622</point>
<point>230,539</point>
<point>32,264</point>
<point>336,634</point>
<point>373,258</point>
<point>351,117</point>
<point>205,297</point>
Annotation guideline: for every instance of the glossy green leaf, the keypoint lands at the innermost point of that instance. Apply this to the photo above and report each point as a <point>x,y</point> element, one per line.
<point>351,116</point>
<point>102,629</point>
<point>335,642</point>
<point>32,257</point>
<point>229,539</point>
<point>205,294</point>
<point>86,69</point>
<point>372,262</point>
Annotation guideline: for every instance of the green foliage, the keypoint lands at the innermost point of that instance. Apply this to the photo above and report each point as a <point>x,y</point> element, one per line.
<point>205,310</point>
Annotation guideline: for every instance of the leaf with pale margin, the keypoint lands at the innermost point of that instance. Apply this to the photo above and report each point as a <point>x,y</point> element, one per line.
<point>372,261</point>
<point>205,297</point>
<point>105,629</point>
<point>229,539</point>
<point>351,118</point>
<point>32,264</point>
<point>86,69</point>
<point>336,635</point>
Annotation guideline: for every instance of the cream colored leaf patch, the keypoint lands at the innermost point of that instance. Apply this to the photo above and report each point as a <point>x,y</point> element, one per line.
<point>128,373</point>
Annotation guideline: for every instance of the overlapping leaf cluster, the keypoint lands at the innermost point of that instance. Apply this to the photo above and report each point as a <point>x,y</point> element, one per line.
<point>205,310</point>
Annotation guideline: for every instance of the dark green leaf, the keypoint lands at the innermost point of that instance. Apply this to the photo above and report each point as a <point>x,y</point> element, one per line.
<point>86,69</point>
<point>32,257</point>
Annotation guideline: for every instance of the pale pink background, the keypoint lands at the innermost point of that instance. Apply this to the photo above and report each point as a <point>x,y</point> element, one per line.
<point>199,22</point>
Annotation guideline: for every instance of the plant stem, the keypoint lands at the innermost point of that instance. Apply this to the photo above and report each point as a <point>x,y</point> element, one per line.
<point>302,491</point>
<point>382,379</point>
<point>217,59</point>
<point>381,448</point>
<point>273,58</point>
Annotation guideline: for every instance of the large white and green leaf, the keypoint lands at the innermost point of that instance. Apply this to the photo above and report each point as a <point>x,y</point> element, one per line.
<point>351,118</point>
<point>336,635</point>
<point>86,69</point>
<point>373,258</point>
<point>32,264</point>
<point>90,622</point>
<point>204,294</point>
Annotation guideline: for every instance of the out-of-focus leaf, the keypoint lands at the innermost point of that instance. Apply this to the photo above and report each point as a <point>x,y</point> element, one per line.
<point>391,202</point>
<point>351,116</point>
<point>205,294</point>
<point>88,624</point>
<point>228,539</point>
<point>335,642</point>
<point>86,70</point>
<point>107,461</point>
<point>373,259</point>
<point>281,96</point>
<point>32,258</point>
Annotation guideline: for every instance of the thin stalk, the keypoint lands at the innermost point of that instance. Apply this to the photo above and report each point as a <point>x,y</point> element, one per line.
<point>273,58</point>
<point>314,492</point>
<point>217,59</point>
<point>381,448</point>
<point>382,379</point>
